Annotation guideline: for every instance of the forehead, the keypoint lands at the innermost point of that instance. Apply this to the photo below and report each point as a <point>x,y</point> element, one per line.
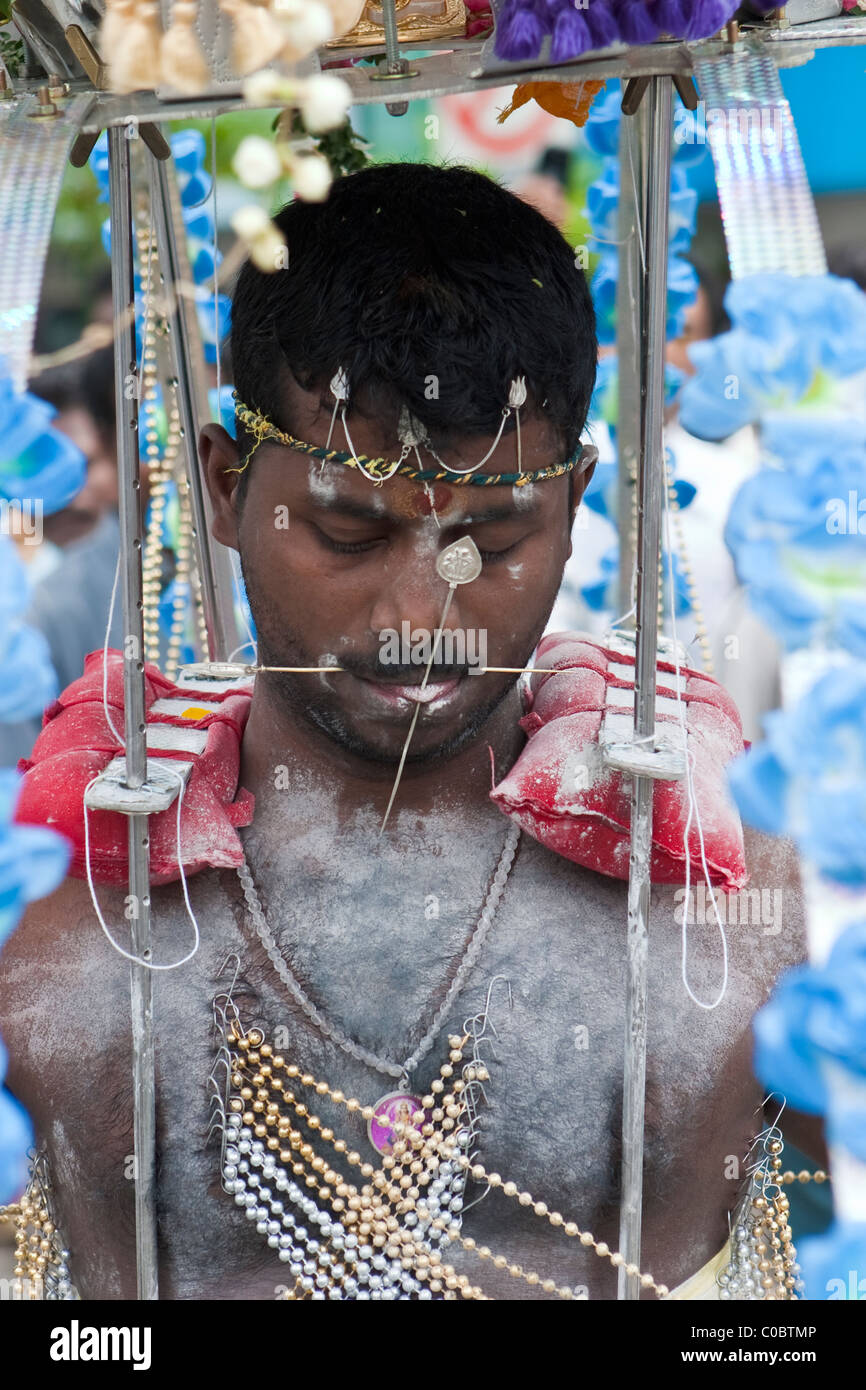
<point>372,428</point>
<point>344,491</point>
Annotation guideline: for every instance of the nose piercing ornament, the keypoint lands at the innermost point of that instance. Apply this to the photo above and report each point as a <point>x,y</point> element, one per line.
<point>458,563</point>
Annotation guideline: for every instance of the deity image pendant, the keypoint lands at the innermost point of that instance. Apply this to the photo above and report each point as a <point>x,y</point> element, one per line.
<point>397,1107</point>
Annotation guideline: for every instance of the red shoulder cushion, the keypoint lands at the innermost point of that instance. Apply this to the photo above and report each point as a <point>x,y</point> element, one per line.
<point>561,792</point>
<point>76,743</point>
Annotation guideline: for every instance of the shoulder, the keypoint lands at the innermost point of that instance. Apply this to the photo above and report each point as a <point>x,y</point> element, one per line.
<point>53,972</point>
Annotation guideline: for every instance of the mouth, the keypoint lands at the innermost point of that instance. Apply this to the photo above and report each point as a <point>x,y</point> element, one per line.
<point>402,697</point>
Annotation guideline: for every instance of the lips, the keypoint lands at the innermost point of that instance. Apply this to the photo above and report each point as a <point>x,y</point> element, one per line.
<point>405,696</point>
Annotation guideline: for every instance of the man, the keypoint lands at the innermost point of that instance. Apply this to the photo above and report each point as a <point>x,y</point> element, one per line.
<point>432,289</point>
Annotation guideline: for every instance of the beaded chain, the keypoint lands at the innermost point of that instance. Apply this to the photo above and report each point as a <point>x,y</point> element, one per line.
<point>383,1240</point>
<point>467,964</point>
<point>162,470</point>
<point>41,1269</point>
<point>159,463</point>
<point>763,1264</point>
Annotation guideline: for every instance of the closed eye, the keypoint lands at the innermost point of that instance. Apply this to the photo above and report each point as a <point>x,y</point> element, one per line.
<point>490,557</point>
<point>346,547</point>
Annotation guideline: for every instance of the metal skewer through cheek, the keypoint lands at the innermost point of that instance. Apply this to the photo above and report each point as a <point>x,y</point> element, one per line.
<point>458,563</point>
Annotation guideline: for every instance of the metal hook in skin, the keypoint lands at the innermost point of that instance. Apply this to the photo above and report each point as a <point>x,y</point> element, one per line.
<point>222,971</point>
<point>766,1100</point>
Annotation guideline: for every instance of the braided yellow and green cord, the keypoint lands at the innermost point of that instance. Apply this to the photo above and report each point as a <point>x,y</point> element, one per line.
<point>261,428</point>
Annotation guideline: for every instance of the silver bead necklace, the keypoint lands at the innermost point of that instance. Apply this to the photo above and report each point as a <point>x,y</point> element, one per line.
<point>470,956</point>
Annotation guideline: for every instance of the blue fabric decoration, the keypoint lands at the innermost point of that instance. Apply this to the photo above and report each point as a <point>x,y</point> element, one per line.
<point>800,548</point>
<point>33,859</point>
<point>16,1137</point>
<point>808,778</point>
<point>833,1265</point>
<point>785,330</point>
<point>223,411</point>
<point>37,462</point>
<point>816,1012</point>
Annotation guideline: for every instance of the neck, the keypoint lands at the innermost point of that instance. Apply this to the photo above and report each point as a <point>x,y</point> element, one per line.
<point>308,760</point>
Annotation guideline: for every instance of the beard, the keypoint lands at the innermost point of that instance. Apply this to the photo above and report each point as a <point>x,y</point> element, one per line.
<point>305,700</point>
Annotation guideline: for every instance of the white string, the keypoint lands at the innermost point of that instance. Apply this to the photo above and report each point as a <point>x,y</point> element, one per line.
<point>138,960</point>
<point>637,227</point>
<point>694,812</point>
<point>128,955</point>
<point>625,616</point>
<point>105,653</point>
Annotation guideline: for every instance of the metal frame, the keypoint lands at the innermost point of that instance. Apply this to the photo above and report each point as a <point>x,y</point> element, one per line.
<point>132,544</point>
<point>455,71</point>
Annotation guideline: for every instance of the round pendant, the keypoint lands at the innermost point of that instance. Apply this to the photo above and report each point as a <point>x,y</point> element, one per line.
<point>396,1108</point>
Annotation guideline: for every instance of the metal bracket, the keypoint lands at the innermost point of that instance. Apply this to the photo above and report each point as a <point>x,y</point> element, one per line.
<point>111,793</point>
<point>98,73</point>
<point>220,675</point>
<point>663,761</point>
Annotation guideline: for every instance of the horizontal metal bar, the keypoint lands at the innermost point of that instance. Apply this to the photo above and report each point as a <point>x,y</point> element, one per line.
<point>458,69</point>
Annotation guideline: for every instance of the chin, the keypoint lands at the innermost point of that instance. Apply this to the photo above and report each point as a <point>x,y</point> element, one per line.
<point>384,747</point>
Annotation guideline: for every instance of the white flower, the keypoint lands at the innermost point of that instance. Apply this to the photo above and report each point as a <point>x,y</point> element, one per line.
<point>268,89</point>
<point>249,222</point>
<point>311,176</point>
<point>256,162</point>
<point>325,100</point>
<point>265,241</point>
<point>306,27</point>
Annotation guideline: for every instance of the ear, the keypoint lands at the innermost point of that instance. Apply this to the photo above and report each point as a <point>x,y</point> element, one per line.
<point>218,454</point>
<point>581,479</point>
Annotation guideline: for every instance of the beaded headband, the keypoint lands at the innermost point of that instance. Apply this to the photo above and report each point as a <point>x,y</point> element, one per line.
<point>380,469</point>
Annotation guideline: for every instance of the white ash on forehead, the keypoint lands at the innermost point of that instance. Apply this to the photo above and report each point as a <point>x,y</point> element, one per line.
<point>323,483</point>
<point>523,497</point>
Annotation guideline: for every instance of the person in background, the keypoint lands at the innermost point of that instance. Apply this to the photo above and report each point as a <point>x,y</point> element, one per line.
<point>72,595</point>
<point>544,189</point>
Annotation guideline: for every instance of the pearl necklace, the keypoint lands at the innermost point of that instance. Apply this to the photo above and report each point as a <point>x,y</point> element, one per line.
<point>382,1240</point>
<point>470,956</point>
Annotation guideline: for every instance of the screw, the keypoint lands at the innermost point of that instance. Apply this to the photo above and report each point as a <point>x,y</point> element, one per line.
<point>45,105</point>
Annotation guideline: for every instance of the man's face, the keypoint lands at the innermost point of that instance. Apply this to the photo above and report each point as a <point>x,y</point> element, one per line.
<point>334,565</point>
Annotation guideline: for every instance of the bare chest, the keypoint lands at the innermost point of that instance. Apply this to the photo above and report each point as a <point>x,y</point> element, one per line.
<point>545,998</point>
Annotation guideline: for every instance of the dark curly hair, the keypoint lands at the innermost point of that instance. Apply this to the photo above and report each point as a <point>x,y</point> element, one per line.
<point>414,271</point>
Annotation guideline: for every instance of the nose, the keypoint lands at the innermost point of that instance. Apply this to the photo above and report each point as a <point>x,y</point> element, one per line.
<point>410,589</point>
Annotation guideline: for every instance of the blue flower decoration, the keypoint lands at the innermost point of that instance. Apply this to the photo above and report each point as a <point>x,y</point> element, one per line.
<point>602,201</point>
<point>801,549</point>
<point>816,1013</point>
<point>33,858</point>
<point>16,1137</point>
<point>194,183</point>
<point>223,411</point>
<point>601,593</point>
<point>802,441</point>
<point>602,125</point>
<point>807,779</point>
<point>27,679</point>
<point>683,211</point>
<point>214,317</point>
<point>37,463</point>
<point>833,1265</point>
<point>786,329</point>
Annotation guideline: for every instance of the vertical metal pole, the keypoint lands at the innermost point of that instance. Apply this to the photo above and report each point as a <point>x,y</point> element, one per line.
<point>650,478</point>
<point>629,309</point>
<point>131,527</point>
<point>214,560</point>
